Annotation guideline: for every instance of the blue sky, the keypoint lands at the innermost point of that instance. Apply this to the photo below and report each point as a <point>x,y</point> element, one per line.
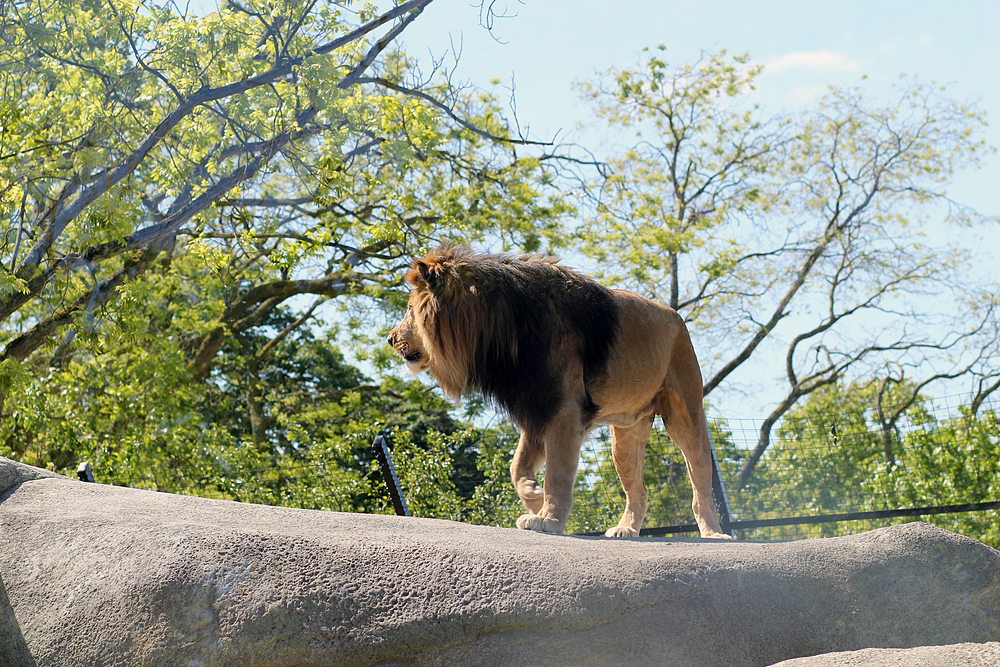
<point>547,44</point>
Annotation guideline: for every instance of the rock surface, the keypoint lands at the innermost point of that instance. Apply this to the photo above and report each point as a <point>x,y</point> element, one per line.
<point>99,575</point>
<point>955,655</point>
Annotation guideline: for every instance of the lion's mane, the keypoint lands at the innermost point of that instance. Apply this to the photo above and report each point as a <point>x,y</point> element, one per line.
<point>507,325</point>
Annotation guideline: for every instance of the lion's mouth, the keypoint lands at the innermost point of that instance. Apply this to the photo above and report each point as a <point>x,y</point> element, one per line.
<point>412,357</point>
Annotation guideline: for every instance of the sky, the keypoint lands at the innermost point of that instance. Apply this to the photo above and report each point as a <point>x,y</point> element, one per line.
<point>542,47</point>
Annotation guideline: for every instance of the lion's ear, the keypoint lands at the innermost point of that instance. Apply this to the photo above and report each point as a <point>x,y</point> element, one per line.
<point>427,274</point>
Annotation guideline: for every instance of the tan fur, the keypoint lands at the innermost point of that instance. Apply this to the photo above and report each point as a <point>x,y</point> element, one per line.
<point>651,370</point>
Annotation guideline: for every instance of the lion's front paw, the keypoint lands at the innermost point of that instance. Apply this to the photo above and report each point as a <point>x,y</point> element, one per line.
<point>712,535</point>
<point>539,524</point>
<point>529,489</point>
<point>621,531</point>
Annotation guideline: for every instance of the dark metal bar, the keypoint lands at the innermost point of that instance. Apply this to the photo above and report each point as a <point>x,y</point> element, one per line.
<point>719,489</point>
<point>825,518</point>
<point>389,474</point>
<point>874,514</point>
<point>84,473</point>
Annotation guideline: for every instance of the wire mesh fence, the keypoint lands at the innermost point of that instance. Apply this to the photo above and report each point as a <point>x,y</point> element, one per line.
<point>831,474</point>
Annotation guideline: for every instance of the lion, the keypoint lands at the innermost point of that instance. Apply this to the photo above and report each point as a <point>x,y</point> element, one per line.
<point>560,354</point>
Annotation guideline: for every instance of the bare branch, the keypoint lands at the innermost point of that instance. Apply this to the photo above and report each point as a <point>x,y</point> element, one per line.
<point>264,351</point>
<point>450,113</point>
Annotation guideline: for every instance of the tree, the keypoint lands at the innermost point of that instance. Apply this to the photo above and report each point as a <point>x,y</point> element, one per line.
<point>293,154</point>
<point>836,452</point>
<point>796,237</point>
<point>700,160</point>
<point>181,196</point>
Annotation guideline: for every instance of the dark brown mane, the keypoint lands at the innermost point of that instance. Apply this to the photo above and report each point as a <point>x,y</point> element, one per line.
<point>493,321</point>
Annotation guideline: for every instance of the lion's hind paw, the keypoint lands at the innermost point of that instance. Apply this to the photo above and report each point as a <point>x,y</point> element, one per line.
<point>621,531</point>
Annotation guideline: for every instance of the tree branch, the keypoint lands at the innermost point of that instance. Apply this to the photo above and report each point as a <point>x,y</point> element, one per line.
<point>385,83</point>
<point>22,346</point>
<point>117,174</point>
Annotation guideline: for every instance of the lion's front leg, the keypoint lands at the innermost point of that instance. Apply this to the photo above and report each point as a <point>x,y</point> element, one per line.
<point>528,458</point>
<point>563,438</point>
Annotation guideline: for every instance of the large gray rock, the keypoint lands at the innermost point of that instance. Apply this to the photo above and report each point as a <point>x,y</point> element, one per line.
<point>954,655</point>
<point>99,575</point>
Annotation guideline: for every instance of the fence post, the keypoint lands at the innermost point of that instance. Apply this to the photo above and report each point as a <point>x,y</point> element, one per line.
<point>84,472</point>
<point>389,474</point>
<point>718,488</point>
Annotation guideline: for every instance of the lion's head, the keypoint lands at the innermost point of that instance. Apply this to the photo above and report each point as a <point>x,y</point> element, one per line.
<point>427,338</point>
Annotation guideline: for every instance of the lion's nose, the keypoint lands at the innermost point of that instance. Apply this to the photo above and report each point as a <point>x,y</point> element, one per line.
<point>388,339</point>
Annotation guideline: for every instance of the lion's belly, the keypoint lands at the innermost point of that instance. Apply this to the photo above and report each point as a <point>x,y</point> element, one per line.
<point>621,419</point>
<point>625,404</point>
<point>638,368</point>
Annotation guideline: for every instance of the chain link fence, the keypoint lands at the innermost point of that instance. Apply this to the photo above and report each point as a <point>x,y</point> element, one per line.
<point>833,475</point>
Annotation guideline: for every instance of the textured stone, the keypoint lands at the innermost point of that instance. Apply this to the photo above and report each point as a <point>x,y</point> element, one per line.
<point>98,575</point>
<point>954,655</point>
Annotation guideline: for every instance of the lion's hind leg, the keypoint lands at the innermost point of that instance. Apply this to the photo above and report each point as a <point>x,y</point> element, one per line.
<point>685,422</point>
<point>628,450</point>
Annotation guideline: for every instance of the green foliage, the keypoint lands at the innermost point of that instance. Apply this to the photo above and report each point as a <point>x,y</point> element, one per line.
<point>282,139</point>
<point>436,486</point>
<point>182,197</point>
<point>957,462</point>
<point>138,414</point>
<point>834,454</point>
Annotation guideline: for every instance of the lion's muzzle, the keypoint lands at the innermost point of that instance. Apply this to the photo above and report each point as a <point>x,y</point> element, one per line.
<point>400,343</point>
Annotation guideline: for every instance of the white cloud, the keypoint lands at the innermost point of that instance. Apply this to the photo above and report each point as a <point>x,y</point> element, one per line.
<point>823,60</point>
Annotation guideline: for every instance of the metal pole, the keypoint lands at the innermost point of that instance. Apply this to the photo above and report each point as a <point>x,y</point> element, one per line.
<point>718,488</point>
<point>84,472</point>
<point>389,474</point>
